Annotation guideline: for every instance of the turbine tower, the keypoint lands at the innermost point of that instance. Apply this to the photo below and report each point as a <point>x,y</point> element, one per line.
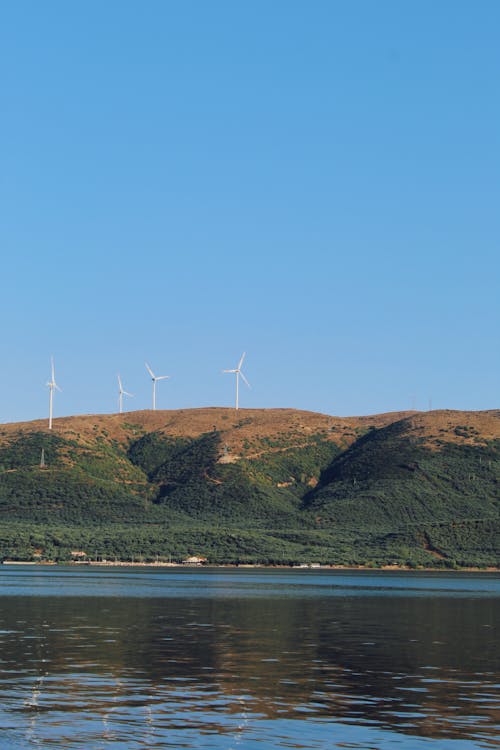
<point>154,378</point>
<point>237,371</point>
<point>121,394</point>
<point>52,385</point>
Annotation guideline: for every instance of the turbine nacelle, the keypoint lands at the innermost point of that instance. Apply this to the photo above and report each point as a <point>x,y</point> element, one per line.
<point>52,382</point>
<point>153,376</point>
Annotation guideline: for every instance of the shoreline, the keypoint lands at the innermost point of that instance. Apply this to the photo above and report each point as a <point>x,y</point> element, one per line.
<point>314,566</point>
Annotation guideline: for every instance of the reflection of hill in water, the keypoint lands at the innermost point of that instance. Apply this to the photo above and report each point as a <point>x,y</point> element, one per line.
<point>421,665</point>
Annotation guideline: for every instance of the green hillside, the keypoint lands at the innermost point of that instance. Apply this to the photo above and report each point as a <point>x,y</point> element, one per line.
<point>389,477</point>
<point>268,486</point>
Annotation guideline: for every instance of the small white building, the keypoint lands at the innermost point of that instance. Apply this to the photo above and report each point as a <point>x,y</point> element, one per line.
<point>194,560</point>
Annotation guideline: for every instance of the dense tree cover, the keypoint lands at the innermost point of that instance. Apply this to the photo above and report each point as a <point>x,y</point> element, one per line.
<point>388,499</point>
<point>389,478</point>
<point>152,451</point>
<point>296,468</point>
<point>222,544</point>
<point>26,450</point>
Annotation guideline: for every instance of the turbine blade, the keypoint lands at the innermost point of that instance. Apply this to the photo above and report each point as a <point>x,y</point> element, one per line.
<point>162,377</point>
<point>120,382</point>
<point>148,368</point>
<point>241,360</point>
<point>244,378</point>
<point>57,388</point>
<point>229,370</point>
<point>126,393</point>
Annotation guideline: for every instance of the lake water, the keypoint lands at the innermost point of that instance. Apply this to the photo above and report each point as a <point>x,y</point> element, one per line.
<point>248,659</point>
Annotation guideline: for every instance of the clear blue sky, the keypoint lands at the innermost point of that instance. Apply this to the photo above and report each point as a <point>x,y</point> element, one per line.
<point>317,183</point>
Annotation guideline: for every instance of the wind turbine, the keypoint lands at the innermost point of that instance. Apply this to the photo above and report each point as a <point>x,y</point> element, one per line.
<point>154,378</point>
<point>52,385</point>
<point>121,394</point>
<point>237,371</point>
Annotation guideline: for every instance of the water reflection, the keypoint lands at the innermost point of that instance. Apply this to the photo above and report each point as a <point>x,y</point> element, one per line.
<point>244,671</point>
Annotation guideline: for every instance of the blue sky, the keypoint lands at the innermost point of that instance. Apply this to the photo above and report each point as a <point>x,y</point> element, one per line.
<point>317,183</point>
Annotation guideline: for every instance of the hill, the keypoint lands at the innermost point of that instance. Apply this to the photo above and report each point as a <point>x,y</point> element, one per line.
<point>270,485</point>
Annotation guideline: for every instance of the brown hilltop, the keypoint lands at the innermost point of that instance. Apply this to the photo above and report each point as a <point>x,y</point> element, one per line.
<point>447,426</point>
<point>250,432</point>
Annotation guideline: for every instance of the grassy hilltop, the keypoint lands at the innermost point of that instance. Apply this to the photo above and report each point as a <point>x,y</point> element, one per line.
<point>256,485</point>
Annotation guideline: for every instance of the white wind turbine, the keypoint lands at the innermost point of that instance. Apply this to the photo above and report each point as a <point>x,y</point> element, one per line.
<point>154,378</point>
<point>237,371</point>
<point>121,394</point>
<point>52,385</point>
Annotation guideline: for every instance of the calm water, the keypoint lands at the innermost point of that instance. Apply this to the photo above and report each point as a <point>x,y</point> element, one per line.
<point>246,659</point>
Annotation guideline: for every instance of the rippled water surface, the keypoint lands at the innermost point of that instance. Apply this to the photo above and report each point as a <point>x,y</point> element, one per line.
<point>222,658</point>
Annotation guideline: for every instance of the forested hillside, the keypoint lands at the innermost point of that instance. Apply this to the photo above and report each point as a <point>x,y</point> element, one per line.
<point>272,486</point>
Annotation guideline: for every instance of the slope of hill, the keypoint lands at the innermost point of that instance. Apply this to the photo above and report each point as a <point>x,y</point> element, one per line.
<point>274,485</point>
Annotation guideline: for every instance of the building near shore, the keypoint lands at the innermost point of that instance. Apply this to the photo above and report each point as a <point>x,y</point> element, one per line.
<point>194,560</point>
